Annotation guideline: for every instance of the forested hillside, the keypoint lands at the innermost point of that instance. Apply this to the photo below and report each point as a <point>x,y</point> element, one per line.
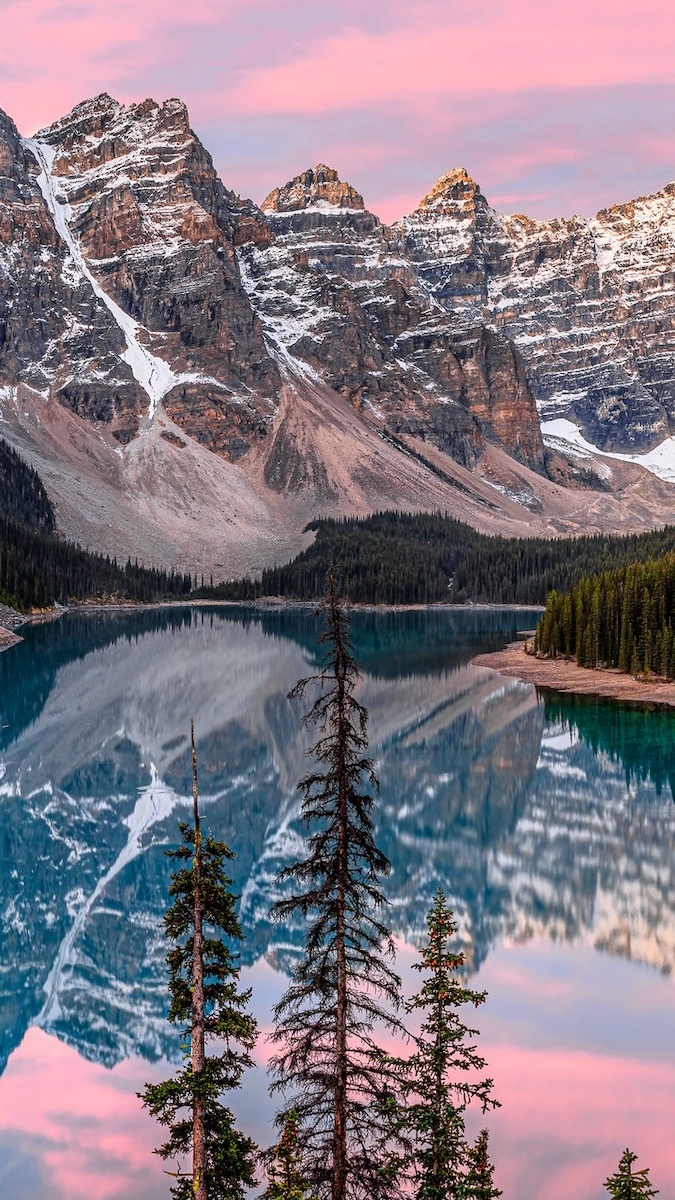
<point>37,568</point>
<point>622,618</point>
<point>23,498</point>
<point>397,558</point>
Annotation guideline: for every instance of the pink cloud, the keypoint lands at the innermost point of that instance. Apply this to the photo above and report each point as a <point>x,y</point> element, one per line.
<point>85,1123</point>
<point>567,1116</point>
<point>522,45</point>
<point>551,107</point>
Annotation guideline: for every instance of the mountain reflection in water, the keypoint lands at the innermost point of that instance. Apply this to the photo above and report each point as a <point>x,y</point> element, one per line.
<point>549,823</point>
<point>545,822</point>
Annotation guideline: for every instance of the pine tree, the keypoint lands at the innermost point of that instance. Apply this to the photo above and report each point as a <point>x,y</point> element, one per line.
<point>628,1184</point>
<point>285,1172</point>
<point>479,1183</point>
<point>439,1079</point>
<point>206,1002</point>
<point>328,1062</point>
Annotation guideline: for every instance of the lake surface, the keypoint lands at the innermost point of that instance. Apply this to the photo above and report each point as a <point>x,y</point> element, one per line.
<point>548,820</point>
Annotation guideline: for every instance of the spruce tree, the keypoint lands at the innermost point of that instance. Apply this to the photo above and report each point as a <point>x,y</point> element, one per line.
<point>207,1004</point>
<point>479,1183</point>
<point>328,1062</point>
<point>439,1079</point>
<point>285,1171</point>
<point>628,1184</point>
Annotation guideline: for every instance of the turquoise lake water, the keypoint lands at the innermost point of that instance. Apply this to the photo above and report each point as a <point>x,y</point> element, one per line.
<point>548,820</point>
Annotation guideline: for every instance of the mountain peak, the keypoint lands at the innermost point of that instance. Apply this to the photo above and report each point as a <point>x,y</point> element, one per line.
<point>318,186</point>
<point>100,114</point>
<point>455,185</point>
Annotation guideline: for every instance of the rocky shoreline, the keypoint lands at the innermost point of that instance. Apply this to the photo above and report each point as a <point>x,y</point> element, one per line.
<point>9,622</point>
<point>563,676</point>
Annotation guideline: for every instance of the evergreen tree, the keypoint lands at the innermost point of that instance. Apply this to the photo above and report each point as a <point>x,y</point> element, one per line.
<point>206,1002</point>
<point>439,1079</point>
<point>628,1184</point>
<point>479,1183</point>
<point>328,1062</point>
<point>285,1172</point>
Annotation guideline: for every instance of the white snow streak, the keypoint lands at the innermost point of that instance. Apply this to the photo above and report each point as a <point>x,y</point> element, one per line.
<point>153,374</point>
<point>566,436</point>
<point>155,804</point>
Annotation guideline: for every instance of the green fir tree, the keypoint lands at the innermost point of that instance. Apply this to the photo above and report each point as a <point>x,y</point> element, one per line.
<point>628,1184</point>
<point>207,1004</point>
<point>285,1170</point>
<point>479,1183</point>
<point>440,1078</point>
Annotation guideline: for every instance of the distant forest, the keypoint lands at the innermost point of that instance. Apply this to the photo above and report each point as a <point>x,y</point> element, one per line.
<point>398,558</point>
<point>37,568</point>
<point>623,618</point>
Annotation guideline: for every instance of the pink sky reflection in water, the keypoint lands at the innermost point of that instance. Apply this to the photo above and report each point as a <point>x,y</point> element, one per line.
<point>568,1108</point>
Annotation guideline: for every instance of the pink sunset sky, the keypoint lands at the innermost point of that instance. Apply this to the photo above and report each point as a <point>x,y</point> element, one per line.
<point>553,107</point>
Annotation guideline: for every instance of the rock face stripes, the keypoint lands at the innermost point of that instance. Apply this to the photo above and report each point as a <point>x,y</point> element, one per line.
<point>149,317</point>
<point>589,303</point>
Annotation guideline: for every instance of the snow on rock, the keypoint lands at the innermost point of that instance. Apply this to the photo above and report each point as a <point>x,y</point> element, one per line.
<point>152,373</point>
<point>564,435</point>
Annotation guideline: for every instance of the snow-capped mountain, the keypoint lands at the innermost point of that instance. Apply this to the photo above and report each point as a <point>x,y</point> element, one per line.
<point>195,377</point>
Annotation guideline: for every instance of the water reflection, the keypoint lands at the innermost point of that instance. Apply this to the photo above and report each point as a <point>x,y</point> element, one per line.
<point>639,738</point>
<point>548,824</point>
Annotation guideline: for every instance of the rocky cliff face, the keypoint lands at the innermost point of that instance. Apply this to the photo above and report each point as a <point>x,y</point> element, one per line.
<point>335,292</point>
<point>588,303</point>
<point>196,377</point>
<point>141,226</point>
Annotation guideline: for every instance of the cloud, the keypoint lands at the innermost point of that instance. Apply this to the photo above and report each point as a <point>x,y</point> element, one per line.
<point>553,108</point>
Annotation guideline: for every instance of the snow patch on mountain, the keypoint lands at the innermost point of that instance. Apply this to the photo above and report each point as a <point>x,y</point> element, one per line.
<point>155,804</point>
<point>567,437</point>
<point>153,374</point>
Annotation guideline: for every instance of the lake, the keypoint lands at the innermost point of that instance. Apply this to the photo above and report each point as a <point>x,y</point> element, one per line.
<point>548,820</point>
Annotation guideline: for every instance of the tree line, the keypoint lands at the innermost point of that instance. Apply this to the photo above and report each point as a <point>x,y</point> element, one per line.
<point>39,569</point>
<point>23,497</point>
<point>623,618</point>
<point>403,558</point>
<point>357,1119</point>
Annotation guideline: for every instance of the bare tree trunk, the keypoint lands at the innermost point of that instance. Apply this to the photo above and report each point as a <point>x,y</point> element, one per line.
<point>339,1183</point>
<point>198,1052</point>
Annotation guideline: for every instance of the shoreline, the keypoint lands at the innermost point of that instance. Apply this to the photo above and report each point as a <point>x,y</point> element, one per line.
<point>11,621</point>
<point>565,676</point>
<point>281,602</point>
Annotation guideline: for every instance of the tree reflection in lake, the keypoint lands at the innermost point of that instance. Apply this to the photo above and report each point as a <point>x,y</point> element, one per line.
<point>520,809</point>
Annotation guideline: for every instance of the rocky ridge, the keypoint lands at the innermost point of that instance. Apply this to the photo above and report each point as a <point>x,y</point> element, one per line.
<point>588,302</point>
<point>195,377</point>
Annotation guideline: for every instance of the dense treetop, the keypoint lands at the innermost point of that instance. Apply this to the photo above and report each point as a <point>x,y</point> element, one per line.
<point>399,558</point>
<point>623,618</point>
<point>22,494</point>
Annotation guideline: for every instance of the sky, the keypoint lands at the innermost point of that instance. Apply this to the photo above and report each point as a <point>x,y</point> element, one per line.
<point>577,1043</point>
<point>552,106</point>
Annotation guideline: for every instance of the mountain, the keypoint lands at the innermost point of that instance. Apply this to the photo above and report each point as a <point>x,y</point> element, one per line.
<point>196,377</point>
<point>529,829</point>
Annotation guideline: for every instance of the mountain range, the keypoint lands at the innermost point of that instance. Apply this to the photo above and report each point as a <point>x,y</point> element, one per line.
<point>195,377</point>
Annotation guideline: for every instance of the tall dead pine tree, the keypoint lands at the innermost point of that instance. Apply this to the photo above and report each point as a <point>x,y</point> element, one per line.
<point>206,1002</point>
<point>328,1063</point>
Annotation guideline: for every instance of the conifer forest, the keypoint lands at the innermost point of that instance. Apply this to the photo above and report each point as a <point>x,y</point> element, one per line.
<point>623,618</point>
<point>403,558</point>
<point>39,568</point>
